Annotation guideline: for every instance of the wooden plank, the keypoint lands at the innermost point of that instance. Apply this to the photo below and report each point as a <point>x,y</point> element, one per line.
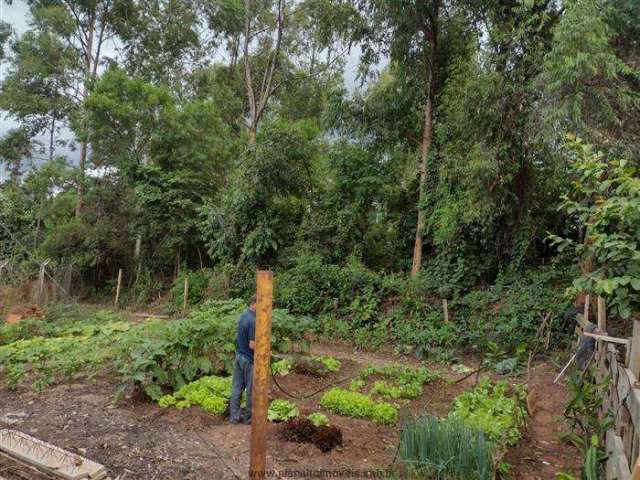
<point>635,472</point>
<point>262,359</point>
<point>634,357</point>
<point>606,338</point>
<point>49,458</point>
<point>617,466</point>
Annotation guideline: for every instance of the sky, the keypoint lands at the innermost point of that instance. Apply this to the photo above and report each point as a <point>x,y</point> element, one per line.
<point>17,15</point>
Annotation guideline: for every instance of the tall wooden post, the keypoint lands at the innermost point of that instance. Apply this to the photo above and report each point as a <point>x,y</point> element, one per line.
<point>186,293</point>
<point>634,354</point>
<point>587,301</point>
<point>602,318</point>
<point>261,361</point>
<point>40,291</point>
<point>445,310</point>
<point>118,286</point>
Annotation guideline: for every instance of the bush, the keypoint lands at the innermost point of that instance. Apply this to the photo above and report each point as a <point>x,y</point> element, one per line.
<point>445,449</point>
<point>170,354</point>
<point>198,286</point>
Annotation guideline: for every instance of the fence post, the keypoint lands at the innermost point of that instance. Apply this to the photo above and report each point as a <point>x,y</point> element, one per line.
<point>118,287</point>
<point>262,359</point>
<point>445,309</point>
<point>186,293</point>
<point>585,314</point>
<point>634,355</point>
<point>40,291</point>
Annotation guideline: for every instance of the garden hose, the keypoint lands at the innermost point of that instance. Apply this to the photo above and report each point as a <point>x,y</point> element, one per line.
<point>313,394</point>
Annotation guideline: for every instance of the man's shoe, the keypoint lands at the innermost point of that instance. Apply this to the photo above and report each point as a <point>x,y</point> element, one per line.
<point>247,421</point>
<point>234,421</point>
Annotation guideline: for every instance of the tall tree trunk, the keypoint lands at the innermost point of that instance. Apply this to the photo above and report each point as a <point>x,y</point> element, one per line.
<point>88,74</point>
<point>253,133</point>
<point>430,32</point>
<point>51,137</point>
<point>425,148</point>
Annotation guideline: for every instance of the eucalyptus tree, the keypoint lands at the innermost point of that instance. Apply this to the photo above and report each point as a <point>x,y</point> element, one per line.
<point>38,88</point>
<point>409,34</point>
<point>276,43</point>
<point>83,27</point>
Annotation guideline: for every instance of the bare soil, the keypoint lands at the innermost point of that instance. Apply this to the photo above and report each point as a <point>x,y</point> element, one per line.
<point>135,439</point>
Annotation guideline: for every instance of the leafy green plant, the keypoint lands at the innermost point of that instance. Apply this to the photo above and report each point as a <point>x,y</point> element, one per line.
<point>282,367</point>
<point>492,410</point>
<point>356,384</point>
<point>354,404</point>
<point>318,419</point>
<point>281,410</point>
<point>402,382</point>
<point>171,354</point>
<point>329,363</point>
<point>605,201</point>
<point>588,424</point>
<point>446,449</point>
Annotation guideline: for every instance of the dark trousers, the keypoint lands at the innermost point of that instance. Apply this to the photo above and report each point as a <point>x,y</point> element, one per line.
<point>242,379</point>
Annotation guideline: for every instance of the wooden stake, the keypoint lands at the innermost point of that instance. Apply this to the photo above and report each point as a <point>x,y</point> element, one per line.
<point>262,358</point>
<point>445,309</point>
<point>40,292</point>
<point>118,287</point>
<point>635,474</point>
<point>602,317</point>
<point>587,300</point>
<point>634,356</point>
<point>186,293</point>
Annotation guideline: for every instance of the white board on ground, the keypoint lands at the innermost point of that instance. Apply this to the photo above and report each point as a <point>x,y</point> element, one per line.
<point>49,458</point>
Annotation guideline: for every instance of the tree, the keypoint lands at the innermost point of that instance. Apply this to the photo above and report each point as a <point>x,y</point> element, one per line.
<point>36,90</point>
<point>14,148</point>
<point>605,202</point>
<point>82,27</point>
<point>408,33</point>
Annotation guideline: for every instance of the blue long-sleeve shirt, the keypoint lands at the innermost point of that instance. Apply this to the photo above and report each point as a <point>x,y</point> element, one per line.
<point>246,333</point>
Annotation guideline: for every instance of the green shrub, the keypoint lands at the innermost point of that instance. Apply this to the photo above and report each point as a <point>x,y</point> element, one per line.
<point>354,404</point>
<point>203,284</point>
<point>490,409</point>
<point>170,354</point>
<point>445,449</point>
<point>281,410</point>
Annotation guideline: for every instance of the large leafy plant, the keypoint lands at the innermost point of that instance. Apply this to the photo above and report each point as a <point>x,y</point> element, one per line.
<point>605,200</point>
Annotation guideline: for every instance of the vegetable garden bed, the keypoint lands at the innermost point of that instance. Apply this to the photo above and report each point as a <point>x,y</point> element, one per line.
<point>362,399</point>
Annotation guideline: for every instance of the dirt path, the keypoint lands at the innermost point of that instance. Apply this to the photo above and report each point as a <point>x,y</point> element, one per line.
<point>541,454</point>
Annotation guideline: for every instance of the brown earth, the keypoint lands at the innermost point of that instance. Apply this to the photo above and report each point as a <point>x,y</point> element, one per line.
<point>138,440</point>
